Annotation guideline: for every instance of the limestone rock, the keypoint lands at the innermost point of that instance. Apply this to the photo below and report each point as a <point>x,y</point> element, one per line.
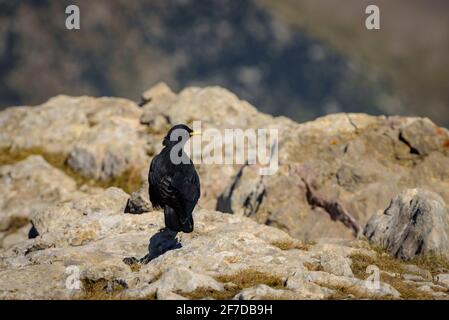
<point>443,279</point>
<point>183,280</point>
<point>358,287</point>
<point>415,223</point>
<point>139,202</point>
<point>26,188</point>
<point>340,169</point>
<point>334,172</point>
<point>335,264</point>
<point>264,292</point>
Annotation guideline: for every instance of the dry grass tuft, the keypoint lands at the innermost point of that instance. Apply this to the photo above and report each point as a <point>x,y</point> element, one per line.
<point>240,280</point>
<point>313,266</point>
<point>434,263</point>
<point>289,245</point>
<point>408,291</point>
<point>128,181</point>
<point>227,294</point>
<point>249,278</point>
<point>102,289</point>
<point>385,262</point>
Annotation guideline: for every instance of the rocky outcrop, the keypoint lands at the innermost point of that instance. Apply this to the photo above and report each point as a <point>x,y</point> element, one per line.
<point>415,223</point>
<point>98,138</point>
<point>26,188</point>
<point>337,171</point>
<point>74,202</point>
<point>90,248</point>
<point>334,172</point>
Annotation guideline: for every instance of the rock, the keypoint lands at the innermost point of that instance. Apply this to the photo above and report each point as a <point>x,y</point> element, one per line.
<point>11,237</point>
<point>94,234</point>
<point>58,210</point>
<point>264,292</point>
<point>413,277</point>
<point>357,287</point>
<point>84,220</point>
<point>34,282</point>
<point>101,137</point>
<point>159,90</point>
<point>415,223</point>
<point>299,282</point>
<point>334,172</point>
<point>139,201</point>
<point>424,143</point>
<point>338,170</point>
<point>168,295</point>
<point>28,187</point>
<point>418,271</point>
<point>179,279</point>
<point>443,279</point>
<point>335,264</point>
<point>108,149</point>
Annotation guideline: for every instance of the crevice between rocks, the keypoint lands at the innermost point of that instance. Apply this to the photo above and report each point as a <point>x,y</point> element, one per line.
<point>224,200</point>
<point>331,207</point>
<point>407,143</point>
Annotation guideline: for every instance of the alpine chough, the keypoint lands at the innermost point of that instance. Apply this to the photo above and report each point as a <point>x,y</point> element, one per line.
<point>174,184</point>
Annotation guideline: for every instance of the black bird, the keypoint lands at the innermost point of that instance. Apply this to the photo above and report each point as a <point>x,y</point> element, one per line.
<point>175,186</point>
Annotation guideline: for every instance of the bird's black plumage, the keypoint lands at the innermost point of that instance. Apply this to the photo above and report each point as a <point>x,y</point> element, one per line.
<point>175,187</point>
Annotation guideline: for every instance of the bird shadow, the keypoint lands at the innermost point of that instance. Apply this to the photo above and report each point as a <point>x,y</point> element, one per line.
<point>161,242</point>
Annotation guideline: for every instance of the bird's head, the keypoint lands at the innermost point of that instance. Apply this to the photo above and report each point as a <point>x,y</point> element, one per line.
<point>178,133</point>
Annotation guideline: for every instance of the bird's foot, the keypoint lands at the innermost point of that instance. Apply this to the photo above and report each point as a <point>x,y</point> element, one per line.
<point>145,259</point>
<point>130,261</point>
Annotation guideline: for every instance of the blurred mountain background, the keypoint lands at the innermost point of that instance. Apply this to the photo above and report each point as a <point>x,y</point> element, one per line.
<point>299,58</point>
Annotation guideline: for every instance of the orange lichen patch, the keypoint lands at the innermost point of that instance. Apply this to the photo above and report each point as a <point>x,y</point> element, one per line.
<point>446,144</point>
<point>440,131</point>
<point>334,142</point>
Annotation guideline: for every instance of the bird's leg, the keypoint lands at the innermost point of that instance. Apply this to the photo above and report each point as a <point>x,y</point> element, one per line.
<point>130,261</point>
<point>145,259</point>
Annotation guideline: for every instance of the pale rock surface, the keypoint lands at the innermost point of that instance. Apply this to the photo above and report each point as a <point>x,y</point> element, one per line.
<point>443,279</point>
<point>334,174</point>
<point>93,234</point>
<point>26,188</point>
<point>415,223</point>
<point>336,264</point>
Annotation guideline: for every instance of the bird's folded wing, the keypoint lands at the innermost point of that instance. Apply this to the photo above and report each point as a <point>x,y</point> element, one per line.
<point>181,192</point>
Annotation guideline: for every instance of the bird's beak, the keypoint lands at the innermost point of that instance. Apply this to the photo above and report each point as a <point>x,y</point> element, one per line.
<point>195,133</point>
